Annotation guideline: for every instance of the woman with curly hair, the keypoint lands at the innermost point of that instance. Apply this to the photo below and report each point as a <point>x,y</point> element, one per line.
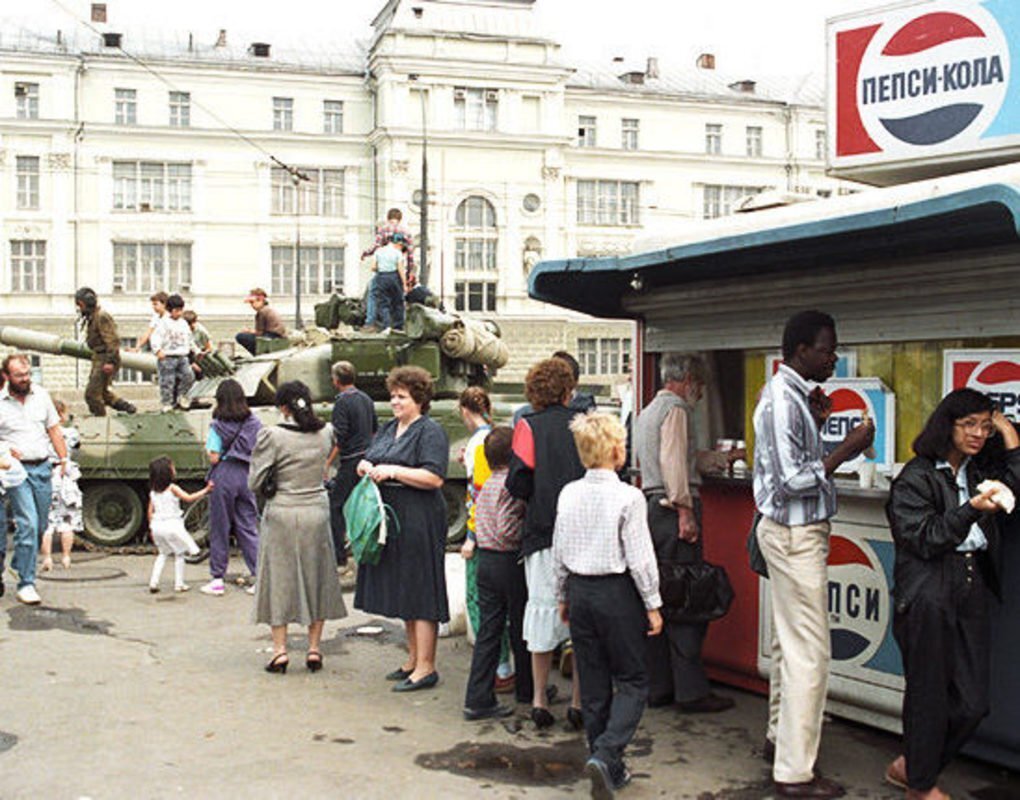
<point>408,460</point>
<point>544,460</point>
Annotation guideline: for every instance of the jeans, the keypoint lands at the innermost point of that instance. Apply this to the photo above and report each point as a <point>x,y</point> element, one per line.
<point>389,297</point>
<point>371,308</point>
<point>175,379</point>
<point>30,505</point>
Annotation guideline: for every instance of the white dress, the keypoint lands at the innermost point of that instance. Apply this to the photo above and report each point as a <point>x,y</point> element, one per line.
<point>167,525</point>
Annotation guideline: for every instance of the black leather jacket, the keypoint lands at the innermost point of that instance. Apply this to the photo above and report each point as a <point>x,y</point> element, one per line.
<point>928,523</point>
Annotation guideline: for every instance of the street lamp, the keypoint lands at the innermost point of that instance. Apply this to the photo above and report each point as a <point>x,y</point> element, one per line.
<point>423,249</point>
<point>296,178</point>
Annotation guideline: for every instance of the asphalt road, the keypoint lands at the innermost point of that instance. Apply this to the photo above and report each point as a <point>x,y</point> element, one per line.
<point>110,692</point>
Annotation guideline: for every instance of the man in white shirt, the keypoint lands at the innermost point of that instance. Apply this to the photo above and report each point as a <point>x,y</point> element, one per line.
<point>30,425</point>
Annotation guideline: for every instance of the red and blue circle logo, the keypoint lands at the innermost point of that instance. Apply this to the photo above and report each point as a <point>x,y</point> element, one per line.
<point>858,601</point>
<point>997,378</point>
<point>933,79</point>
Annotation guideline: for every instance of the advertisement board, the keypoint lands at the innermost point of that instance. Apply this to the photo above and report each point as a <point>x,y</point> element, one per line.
<point>924,89</point>
<point>846,367</point>
<point>993,372</point>
<point>851,399</point>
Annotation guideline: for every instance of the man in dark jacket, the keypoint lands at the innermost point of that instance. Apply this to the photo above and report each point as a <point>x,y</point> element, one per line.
<point>102,339</point>
<point>354,424</point>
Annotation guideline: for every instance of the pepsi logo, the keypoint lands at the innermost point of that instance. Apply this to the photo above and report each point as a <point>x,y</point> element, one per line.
<point>939,78</point>
<point>858,601</point>
<point>999,379</point>
<point>848,409</point>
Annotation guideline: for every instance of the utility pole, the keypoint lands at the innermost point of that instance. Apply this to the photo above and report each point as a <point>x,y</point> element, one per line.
<point>423,248</point>
<point>297,176</point>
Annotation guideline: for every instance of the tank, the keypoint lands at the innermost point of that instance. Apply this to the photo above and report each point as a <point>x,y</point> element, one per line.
<point>116,449</point>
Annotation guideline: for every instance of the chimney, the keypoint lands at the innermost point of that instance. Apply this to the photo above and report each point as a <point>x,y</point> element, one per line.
<point>706,61</point>
<point>617,59</point>
<point>652,70</point>
<point>99,12</point>
<point>744,86</point>
<point>112,39</point>
<point>221,40</point>
<point>259,49</point>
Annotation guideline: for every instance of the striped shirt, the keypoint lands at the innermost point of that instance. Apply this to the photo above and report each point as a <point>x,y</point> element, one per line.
<point>602,529</point>
<point>499,517</point>
<point>790,484</point>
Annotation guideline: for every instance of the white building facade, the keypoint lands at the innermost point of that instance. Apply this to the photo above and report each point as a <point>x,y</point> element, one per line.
<point>132,166</point>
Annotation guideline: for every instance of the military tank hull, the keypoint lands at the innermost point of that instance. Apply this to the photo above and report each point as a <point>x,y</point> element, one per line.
<point>116,449</point>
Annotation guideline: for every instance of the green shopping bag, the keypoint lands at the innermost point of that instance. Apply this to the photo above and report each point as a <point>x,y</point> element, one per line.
<point>369,522</point>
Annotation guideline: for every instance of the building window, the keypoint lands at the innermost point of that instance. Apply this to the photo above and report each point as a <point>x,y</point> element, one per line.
<point>603,356</point>
<point>475,108</point>
<point>476,237</point>
<point>26,100</point>
<point>586,131</point>
<point>125,106</point>
<point>322,270</point>
<point>713,139</point>
<point>28,182</point>
<point>474,295</point>
<point>821,144</point>
<point>35,365</point>
<point>125,374</point>
<point>283,113</point>
<point>332,116</point>
<point>719,200</point>
<point>28,265</point>
<point>630,134</point>
<point>607,202</point>
<point>321,196</point>
<point>753,141</point>
<point>180,110</point>
<point>142,267</point>
<point>151,186</point>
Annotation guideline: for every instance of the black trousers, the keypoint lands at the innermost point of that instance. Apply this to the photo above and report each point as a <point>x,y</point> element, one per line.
<point>944,636</point>
<point>340,489</point>
<point>675,671</point>
<point>502,595</point>
<point>608,626</point>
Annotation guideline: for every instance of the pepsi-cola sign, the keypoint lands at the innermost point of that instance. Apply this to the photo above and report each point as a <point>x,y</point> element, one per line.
<point>858,600</point>
<point>924,80</point>
<point>852,399</point>
<point>846,365</point>
<point>992,372</point>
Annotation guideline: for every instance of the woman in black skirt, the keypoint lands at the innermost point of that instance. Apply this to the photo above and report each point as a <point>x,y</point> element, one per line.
<point>408,459</point>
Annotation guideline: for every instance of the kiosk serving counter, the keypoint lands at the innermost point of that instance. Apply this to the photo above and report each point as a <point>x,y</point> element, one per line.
<point>922,281</point>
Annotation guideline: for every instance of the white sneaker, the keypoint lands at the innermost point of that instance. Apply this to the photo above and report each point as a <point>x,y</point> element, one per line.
<point>214,587</point>
<point>251,589</point>
<point>182,588</point>
<point>166,409</point>
<point>28,595</point>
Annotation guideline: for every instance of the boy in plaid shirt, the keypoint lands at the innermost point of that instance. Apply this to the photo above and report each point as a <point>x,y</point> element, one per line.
<point>502,592</point>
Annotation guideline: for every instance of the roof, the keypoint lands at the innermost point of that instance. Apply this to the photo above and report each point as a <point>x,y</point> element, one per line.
<point>980,208</point>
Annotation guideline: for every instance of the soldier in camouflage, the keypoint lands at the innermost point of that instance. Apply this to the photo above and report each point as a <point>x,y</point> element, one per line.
<point>101,337</point>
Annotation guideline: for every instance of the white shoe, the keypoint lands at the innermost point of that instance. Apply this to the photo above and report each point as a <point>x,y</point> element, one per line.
<point>28,595</point>
<point>182,588</point>
<point>251,589</point>
<point>167,409</point>
<point>214,587</point>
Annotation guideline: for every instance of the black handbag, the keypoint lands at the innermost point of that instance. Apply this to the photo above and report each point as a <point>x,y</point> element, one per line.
<point>268,487</point>
<point>754,554</point>
<point>693,593</point>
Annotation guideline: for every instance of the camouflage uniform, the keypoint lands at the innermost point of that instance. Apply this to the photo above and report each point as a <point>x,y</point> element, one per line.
<point>101,337</point>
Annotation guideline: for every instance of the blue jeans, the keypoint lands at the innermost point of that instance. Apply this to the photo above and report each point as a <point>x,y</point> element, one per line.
<point>371,310</point>
<point>389,298</point>
<point>30,504</point>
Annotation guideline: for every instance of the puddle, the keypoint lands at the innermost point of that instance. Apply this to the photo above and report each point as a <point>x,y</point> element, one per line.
<point>393,729</point>
<point>7,741</point>
<point>391,633</point>
<point>558,764</point>
<point>45,618</point>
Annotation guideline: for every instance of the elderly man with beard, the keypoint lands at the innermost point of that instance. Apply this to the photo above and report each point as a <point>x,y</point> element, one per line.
<point>29,424</point>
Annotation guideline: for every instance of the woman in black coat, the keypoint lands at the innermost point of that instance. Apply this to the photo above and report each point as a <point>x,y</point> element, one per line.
<point>947,538</point>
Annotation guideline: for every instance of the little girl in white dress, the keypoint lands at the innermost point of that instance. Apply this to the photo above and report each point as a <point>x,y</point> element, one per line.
<point>166,521</point>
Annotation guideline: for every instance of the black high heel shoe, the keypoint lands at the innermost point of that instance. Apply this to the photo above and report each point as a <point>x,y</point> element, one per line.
<point>278,664</point>
<point>313,661</point>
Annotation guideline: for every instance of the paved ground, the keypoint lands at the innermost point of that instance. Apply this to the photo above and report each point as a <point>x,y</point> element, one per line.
<point>110,692</point>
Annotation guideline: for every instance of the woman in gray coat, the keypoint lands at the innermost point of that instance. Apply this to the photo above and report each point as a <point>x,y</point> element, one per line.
<point>297,580</point>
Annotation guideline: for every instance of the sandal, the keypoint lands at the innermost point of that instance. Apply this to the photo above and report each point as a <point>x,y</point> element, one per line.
<point>313,660</point>
<point>278,664</point>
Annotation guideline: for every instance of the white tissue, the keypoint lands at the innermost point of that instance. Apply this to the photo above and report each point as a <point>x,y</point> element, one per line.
<point>1002,495</point>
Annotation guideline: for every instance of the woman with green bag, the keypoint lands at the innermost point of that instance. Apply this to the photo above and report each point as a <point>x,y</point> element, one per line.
<point>408,462</point>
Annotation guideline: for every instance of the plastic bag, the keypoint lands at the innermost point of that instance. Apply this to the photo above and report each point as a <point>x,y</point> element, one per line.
<point>369,522</point>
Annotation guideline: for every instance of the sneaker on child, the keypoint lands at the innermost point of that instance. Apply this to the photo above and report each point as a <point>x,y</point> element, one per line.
<point>214,587</point>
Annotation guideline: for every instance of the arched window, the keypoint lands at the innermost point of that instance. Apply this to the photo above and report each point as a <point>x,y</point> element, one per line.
<point>476,240</point>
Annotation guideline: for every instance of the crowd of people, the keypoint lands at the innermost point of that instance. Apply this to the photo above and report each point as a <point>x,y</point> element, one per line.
<point>565,555</point>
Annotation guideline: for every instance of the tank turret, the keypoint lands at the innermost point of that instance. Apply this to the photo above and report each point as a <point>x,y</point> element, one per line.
<point>116,450</point>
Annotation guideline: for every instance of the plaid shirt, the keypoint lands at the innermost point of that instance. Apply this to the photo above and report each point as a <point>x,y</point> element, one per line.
<point>602,529</point>
<point>499,517</point>
<point>385,232</point>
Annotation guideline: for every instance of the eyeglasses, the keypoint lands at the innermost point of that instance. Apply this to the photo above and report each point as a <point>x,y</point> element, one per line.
<point>977,428</point>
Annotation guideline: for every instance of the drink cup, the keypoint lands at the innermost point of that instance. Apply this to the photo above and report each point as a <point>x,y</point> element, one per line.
<point>866,474</point>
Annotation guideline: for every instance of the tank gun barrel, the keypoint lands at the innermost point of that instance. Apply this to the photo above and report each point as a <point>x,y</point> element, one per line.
<point>27,339</point>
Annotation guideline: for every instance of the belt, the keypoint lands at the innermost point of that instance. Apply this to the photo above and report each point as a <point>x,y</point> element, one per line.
<point>34,462</point>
